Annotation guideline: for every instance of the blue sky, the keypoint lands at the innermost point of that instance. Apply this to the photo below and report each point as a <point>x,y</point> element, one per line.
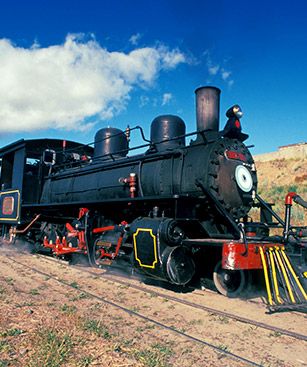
<point>68,68</point>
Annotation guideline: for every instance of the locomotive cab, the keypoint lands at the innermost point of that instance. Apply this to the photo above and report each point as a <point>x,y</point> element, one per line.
<point>23,167</point>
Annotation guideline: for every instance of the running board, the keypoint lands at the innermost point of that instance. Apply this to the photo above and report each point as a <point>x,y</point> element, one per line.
<point>284,289</point>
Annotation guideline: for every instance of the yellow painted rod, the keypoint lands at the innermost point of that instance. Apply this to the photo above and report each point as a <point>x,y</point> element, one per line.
<point>275,283</point>
<point>266,277</point>
<point>293,274</point>
<point>285,275</point>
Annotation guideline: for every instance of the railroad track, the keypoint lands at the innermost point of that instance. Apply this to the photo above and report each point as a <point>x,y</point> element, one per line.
<point>177,300</point>
<point>221,351</point>
<point>113,272</point>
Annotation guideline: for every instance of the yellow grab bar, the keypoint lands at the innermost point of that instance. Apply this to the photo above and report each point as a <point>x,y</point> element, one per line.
<point>266,277</point>
<point>274,275</point>
<point>285,275</point>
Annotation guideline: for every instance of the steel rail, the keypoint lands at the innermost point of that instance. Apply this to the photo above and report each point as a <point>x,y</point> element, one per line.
<point>194,305</point>
<point>212,310</point>
<point>139,315</point>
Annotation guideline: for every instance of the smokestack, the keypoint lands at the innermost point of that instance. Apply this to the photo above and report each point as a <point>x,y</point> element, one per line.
<point>207,108</point>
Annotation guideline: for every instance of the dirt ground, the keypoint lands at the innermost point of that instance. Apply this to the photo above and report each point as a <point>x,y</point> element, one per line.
<point>44,323</point>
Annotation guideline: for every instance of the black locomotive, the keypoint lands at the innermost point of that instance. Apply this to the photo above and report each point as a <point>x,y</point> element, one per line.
<point>178,211</point>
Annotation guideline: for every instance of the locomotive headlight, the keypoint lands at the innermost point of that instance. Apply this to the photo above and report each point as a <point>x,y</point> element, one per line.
<point>234,111</point>
<point>243,178</point>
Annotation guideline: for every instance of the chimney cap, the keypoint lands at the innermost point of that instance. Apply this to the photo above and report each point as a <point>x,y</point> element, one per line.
<point>207,87</point>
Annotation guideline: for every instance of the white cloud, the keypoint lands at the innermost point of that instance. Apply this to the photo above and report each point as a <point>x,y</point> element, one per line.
<point>144,100</point>
<point>62,85</point>
<point>166,98</point>
<point>226,77</point>
<point>213,70</point>
<point>171,58</point>
<point>216,71</point>
<point>134,39</point>
<point>225,74</point>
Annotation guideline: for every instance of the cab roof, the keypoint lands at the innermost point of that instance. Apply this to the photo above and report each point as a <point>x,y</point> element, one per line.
<point>35,147</point>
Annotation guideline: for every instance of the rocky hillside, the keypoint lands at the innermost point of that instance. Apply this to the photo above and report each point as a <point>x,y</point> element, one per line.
<point>276,177</point>
<point>283,172</point>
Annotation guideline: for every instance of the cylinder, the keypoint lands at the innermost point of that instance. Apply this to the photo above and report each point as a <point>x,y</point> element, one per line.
<point>207,108</point>
<point>167,132</point>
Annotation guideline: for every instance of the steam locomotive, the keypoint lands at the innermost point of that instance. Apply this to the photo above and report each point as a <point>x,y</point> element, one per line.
<point>177,212</point>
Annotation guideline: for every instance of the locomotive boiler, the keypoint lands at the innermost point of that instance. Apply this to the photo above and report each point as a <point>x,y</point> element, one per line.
<point>177,212</point>
<point>214,161</point>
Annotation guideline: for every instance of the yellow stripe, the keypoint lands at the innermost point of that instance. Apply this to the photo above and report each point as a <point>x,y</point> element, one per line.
<point>152,266</point>
<point>266,277</point>
<point>293,273</point>
<point>18,204</point>
<point>285,275</point>
<point>274,275</point>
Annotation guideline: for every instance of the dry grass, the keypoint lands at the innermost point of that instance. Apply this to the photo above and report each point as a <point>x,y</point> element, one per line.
<point>71,338</point>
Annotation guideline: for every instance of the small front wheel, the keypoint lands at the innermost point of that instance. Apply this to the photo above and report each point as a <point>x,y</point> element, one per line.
<point>230,283</point>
